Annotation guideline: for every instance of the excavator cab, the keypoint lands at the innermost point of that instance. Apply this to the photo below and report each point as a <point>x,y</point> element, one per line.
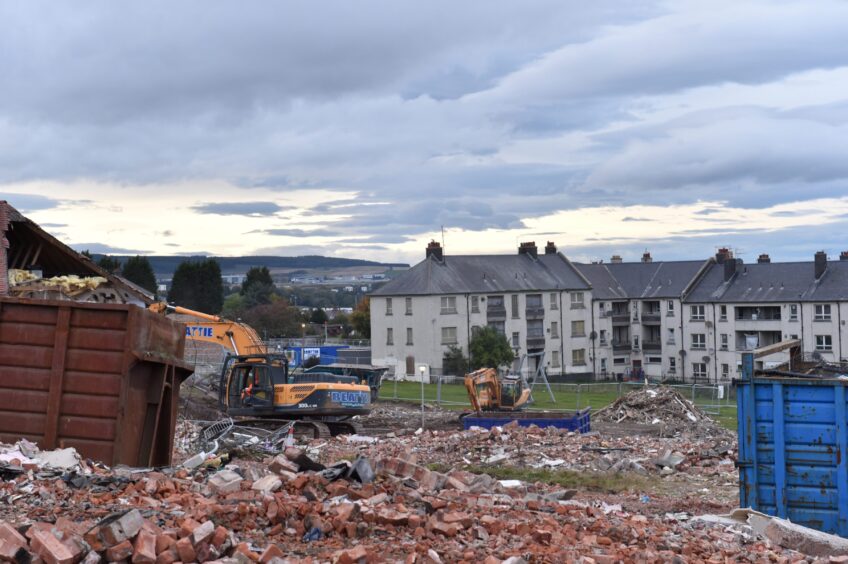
<point>248,382</point>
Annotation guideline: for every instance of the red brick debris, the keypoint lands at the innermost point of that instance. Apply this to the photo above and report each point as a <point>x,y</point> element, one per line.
<point>270,511</point>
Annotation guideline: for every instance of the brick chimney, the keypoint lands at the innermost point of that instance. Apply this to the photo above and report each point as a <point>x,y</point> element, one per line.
<point>843,255</point>
<point>550,248</point>
<point>763,259</point>
<point>723,254</point>
<point>616,259</point>
<point>646,257</point>
<point>820,264</point>
<point>528,248</point>
<point>434,249</point>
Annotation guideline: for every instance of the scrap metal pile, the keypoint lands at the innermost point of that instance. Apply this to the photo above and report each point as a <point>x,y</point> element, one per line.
<point>662,407</point>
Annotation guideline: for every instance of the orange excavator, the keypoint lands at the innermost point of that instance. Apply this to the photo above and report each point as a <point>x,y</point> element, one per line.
<point>258,383</point>
<point>488,392</point>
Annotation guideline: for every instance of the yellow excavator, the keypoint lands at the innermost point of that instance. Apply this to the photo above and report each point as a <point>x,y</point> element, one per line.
<point>488,392</point>
<point>258,383</point>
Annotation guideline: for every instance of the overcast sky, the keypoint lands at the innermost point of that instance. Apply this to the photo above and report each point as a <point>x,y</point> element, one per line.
<point>361,129</point>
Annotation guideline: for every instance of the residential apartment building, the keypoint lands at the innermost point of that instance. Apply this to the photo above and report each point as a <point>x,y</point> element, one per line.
<point>676,320</point>
<point>637,315</point>
<point>540,302</point>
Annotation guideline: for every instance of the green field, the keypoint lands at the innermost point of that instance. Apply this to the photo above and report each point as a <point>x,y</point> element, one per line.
<point>570,397</point>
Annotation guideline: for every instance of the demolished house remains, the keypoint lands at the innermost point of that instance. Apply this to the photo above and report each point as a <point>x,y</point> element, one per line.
<point>83,364</point>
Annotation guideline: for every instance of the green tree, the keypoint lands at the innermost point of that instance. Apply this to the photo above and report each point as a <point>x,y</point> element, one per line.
<point>454,362</point>
<point>317,315</point>
<point>109,264</point>
<point>274,320</point>
<point>361,319</point>
<point>489,349</point>
<point>197,285</point>
<point>233,306</point>
<point>258,287</point>
<point>138,270</point>
<point>86,253</point>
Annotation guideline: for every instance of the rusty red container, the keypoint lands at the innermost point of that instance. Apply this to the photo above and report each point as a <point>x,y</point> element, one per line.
<point>102,378</point>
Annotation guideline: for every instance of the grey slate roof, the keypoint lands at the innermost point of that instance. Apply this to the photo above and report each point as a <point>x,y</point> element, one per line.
<point>640,280</point>
<point>773,282</point>
<point>480,274</point>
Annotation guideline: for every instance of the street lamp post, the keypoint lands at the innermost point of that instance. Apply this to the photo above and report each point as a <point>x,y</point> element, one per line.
<point>302,343</point>
<point>421,370</point>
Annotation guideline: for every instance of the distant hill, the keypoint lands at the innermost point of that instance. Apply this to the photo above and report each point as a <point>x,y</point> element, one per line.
<point>166,265</point>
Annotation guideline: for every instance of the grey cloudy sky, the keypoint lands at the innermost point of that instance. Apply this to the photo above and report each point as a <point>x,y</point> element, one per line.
<point>363,128</point>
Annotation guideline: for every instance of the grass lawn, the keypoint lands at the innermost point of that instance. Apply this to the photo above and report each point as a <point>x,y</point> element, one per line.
<point>454,396</point>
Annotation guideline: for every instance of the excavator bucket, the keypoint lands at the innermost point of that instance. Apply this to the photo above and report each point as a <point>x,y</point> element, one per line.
<point>484,390</point>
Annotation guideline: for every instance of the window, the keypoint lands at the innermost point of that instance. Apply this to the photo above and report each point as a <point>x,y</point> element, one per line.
<point>475,304</point>
<point>515,306</point>
<point>554,330</point>
<point>822,312</point>
<point>670,306</point>
<point>603,336</point>
<point>620,360</point>
<point>670,336</point>
<point>696,313</point>
<point>390,336</point>
<point>576,300</point>
<point>498,326</point>
<point>636,342</point>
<point>793,312</point>
<point>448,335</point>
<point>722,313</point>
<point>699,370</point>
<point>474,330</point>
<point>794,337</point>
<point>699,341</point>
<point>496,302</point>
<point>603,366</point>
<point>554,301</point>
<point>516,340</point>
<point>724,341</point>
<point>409,335</point>
<point>534,301</point>
<point>535,329</point>
<point>555,359</point>
<point>408,306</point>
<point>388,306</point>
<point>578,357</point>
<point>578,328</point>
<point>725,371</point>
<point>448,304</point>
<point>824,343</point>
<point>672,364</point>
<point>654,360</point>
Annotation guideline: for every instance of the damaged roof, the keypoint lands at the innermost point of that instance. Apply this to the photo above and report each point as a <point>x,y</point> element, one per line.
<point>481,274</point>
<point>773,282</point>
<point>641,280</point>
<point>27,245</point>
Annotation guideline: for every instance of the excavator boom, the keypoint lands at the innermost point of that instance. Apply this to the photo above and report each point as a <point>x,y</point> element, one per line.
<point>236,337</point>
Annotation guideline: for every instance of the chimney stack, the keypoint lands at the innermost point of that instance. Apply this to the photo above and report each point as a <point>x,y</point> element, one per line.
<point>434,250</point>
<point>843,255</point>
<point>820,263</point>
<point>528,248</point>
<point>616,259</point>
<point>763,259</point>
<point>730,265</point>
<point>550,248</point>
<point>723,254</point>
<point>646,257</point>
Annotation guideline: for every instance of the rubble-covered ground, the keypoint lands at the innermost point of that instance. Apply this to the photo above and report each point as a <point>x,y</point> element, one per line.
<point>398,494</point>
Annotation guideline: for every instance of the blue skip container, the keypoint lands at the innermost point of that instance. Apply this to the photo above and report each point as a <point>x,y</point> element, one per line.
<point>578,421</point>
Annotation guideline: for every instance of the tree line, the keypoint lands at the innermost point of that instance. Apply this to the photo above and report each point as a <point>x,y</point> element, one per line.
<point>197,285</point>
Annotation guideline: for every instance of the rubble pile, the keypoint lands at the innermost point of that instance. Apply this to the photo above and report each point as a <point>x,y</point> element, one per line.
<point>290,508</point>
<point>660,406</point>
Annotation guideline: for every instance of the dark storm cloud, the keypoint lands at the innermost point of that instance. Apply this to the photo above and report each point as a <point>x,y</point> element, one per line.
<point>241,208</point>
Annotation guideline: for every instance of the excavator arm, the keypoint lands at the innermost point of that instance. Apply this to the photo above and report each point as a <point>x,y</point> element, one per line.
<point>236,337</point>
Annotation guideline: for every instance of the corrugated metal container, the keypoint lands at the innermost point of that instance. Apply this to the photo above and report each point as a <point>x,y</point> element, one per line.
<point>103,379</point>
<point>577,421</point>
<point>793,448</point>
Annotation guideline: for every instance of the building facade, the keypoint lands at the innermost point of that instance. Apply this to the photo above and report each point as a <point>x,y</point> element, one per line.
<point>684,321</point>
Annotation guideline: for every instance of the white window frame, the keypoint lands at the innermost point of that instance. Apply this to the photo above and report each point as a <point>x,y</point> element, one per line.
<point>555,359</point>
<point>696,372</point>
<point>408,306</point>
<point>448,305</point>
<point>446,338</point>
<point>554,301</point>
<point>409,340</point>
<point>670,308</point>
<point>388,306</point>
<point>725,341</point>
<point>578,361</point>
<point>582,333</point>
<point>475,304</point>
<point>554,330</point>
<point>390,336</point>
<point>672,364</point>
<point>577,300</point>
<point>822,312</point>
<point>793,312</point>
<point>702,346</point>
<point>722,312</point>
<point>699,316</point>
<point>824,343</point>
